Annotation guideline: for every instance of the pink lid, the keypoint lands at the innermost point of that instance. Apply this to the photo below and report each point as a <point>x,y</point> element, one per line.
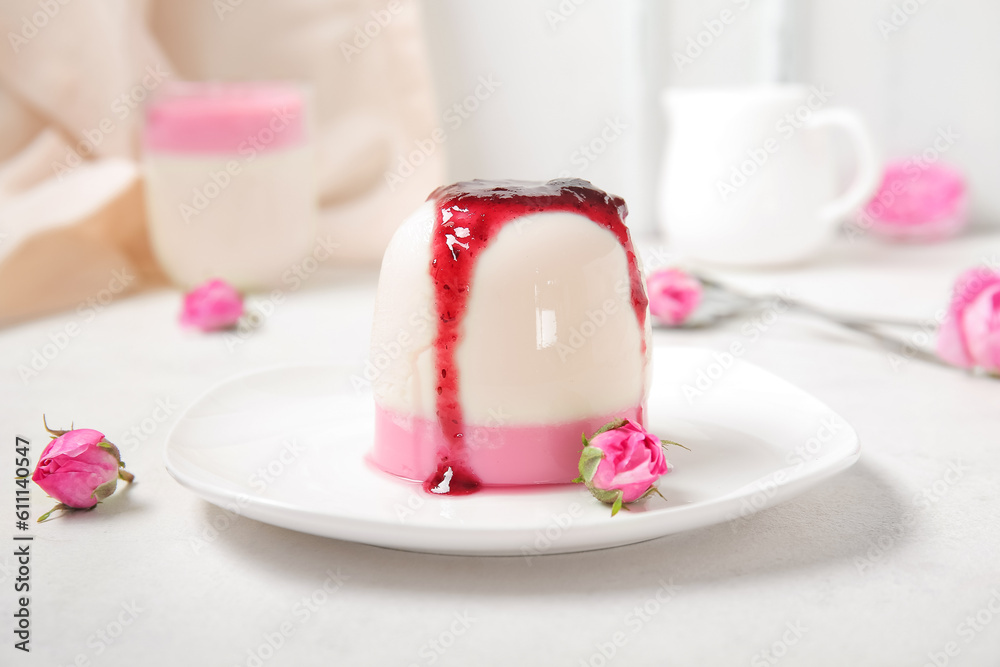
<point>225,118</point>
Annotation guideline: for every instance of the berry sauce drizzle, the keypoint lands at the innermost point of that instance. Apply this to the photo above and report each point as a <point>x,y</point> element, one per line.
<point>469,216</point>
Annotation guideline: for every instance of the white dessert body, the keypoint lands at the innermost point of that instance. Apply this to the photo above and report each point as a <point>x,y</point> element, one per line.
<point>549,335</point>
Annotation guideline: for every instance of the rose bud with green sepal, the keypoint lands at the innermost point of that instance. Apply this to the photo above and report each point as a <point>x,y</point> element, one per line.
<point>79,468</point>
<point>621,462</point>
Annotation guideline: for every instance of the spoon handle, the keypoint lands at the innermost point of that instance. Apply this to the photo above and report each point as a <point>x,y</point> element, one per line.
<point>862,325</point>
<point>894,344</point>
<point>838,318</point>
<point>860,320</point>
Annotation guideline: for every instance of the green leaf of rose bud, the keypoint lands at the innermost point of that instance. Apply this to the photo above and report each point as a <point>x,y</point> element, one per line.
<point>607,496</point>
<point>55,433</point>
<point>648,492</point>
<point>106,489</point>
<point>617,505</point>
<point>665,443</point>
<point>104,444</point>
<point>590,458</point>
<point>610,426</point>
<point>59,506</point>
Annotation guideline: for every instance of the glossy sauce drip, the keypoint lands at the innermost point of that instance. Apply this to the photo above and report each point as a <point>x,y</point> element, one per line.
<point>469,216</point>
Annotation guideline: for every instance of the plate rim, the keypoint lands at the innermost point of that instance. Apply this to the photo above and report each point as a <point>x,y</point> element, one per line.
<point>326,524</point>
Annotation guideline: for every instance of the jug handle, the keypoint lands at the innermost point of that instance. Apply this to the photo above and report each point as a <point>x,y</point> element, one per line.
<point>869,166</point>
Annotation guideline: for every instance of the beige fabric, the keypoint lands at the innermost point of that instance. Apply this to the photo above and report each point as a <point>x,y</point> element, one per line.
<point>75,71</point>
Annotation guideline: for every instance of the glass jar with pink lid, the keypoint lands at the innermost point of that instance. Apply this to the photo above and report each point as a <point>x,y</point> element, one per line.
<point>230,183</point>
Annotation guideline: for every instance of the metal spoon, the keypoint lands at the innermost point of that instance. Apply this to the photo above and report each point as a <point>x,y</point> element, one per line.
<point>721,302</point>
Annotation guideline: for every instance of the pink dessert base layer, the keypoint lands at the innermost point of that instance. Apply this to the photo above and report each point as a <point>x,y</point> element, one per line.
<point>411,447</point>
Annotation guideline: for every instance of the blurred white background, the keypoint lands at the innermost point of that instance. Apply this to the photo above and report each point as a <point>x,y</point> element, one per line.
<point>913,68</point>
<point>529,89</point>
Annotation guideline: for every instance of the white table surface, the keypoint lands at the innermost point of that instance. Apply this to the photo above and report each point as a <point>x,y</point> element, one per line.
<point>866,571</point>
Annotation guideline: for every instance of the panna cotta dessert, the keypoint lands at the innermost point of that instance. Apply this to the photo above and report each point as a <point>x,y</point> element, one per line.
<point>511,318</point>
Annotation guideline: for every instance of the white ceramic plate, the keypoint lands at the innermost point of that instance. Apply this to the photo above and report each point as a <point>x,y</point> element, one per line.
<point>287,446</point>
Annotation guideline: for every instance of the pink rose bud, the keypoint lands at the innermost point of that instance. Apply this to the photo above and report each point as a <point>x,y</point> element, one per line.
<point>213,306</point>
<point>79,468</point>
<point>620,463</point>
<point>918,202</point>
<point>673,295</point>
<point>970,334</point>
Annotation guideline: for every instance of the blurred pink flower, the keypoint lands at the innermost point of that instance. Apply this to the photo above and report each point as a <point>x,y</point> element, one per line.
<point>970,334</point>
<point>673,295</point>
<point>918,202</point>
<point>212,306</point>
